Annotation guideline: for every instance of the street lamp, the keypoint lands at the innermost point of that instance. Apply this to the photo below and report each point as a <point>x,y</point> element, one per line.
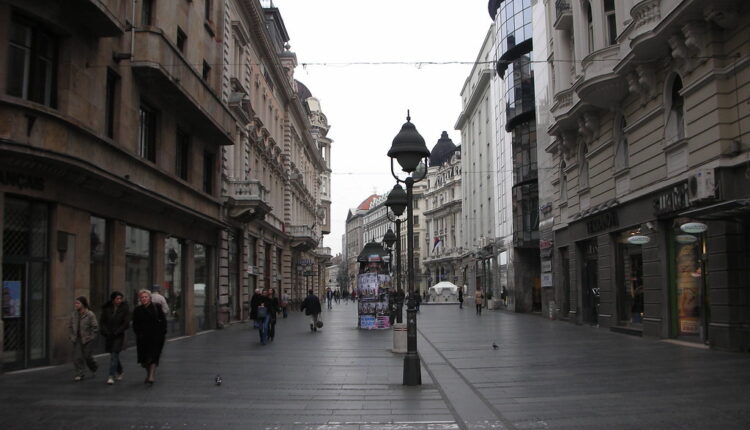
<point>409,149</point>
<point>397,202</point>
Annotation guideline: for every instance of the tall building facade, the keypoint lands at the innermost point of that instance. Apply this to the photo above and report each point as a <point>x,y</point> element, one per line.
<point>477,126</point>
<point>111,141</point>
<point>650,126</point>
<point>274,174</point>
<point>165,143</point>
<point>518,259</point>
<point>442,214</point>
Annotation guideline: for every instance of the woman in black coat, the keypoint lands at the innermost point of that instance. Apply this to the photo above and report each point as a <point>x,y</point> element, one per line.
<point>150,327</point>
<point>114,321</point>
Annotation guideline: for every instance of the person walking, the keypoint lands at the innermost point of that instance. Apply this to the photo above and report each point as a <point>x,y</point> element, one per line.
<point>460,297</point>
<point>479,299</point>
<point>285,304</point>
<point>260,311</point>
<point>275,310</point>
<point>312,308</point>
<point>150,327</point>
<point>83,329</point>
<point>329,297</point>
<point>115,321</point>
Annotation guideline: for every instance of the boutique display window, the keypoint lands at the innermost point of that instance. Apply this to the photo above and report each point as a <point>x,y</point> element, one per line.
<point>630,278</point>
<point>688,298</point>
<point>174,284</point>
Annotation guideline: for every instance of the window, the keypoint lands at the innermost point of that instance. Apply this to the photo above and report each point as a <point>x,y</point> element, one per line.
<point>182,158</point>
<point>621,142</point>
<point>523,144</point>
<point>583,164</point>
<point>416,220</point>
<point>208,172</point>
<point>32,63</point>
<point>111,103</point>
<point>675,129</point>
<point>590,28</point>
<point>147,12</point>
<point>181,39</point>
<point>208,10</point>
<point>610,17</point>
<point>206,71</point>
<point>147,133</point>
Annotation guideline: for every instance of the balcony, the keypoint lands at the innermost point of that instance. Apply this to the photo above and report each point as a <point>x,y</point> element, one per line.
<point>323,252</point>
<point>246,200</point>
<point>303,237</point>
<point>161,70</point>
<point>564,15</point>
<point>600,85</point>
<point>97,17</point>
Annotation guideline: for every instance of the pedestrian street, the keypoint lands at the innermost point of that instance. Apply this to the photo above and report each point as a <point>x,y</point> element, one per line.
<point>542,375</point>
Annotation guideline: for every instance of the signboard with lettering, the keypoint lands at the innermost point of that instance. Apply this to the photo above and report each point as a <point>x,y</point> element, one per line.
<point>601,222</point>
<point>672,199</point>
<point>21,181</point>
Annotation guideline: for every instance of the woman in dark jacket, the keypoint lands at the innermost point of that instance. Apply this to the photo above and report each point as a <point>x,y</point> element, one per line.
<point>115,320</point>
<point>150,327</point>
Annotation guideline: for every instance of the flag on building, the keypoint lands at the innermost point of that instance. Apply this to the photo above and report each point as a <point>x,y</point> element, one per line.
<point>436,243</point>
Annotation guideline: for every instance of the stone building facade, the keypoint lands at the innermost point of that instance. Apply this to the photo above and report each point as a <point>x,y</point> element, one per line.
<point>442,214</point>
<point>651,139</point>
<point>129,157</point>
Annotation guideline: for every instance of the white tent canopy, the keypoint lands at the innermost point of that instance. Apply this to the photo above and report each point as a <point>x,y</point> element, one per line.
<point>444,286</point>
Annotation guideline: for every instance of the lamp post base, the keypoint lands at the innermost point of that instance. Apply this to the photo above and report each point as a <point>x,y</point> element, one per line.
<point>412,369</point>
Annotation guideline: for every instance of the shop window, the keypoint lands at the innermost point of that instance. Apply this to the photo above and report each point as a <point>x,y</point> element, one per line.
<point>98,263</point>
<point>629,280</point>
<point>137,262</point>
<point>173,287</point>
<point>621,144</point>
<point>233,277</point>
<point>675,127</point>
<point>32,63</point>
<point>200,287</point>
<point>689,295</point>
<point>147,133</point>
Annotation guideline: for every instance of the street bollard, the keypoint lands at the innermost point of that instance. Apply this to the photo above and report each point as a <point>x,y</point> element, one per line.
<point>399,337</point>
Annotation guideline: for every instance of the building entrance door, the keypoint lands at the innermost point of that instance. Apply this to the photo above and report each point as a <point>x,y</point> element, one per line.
<point>589,284</point>
<point>24,283</point>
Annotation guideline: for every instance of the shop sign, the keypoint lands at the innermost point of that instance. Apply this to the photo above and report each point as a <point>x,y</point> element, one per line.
<point>601,222</point>
<point>545,244</point>
<point>21,181</point>
<point>546,280</point>
<point>672,199</point>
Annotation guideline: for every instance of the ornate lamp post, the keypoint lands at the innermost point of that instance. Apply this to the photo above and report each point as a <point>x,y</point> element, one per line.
<point>397,202</point>
<point>409,149</point>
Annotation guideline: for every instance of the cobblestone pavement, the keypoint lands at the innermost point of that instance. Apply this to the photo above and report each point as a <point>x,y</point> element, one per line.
<point>543,375</point>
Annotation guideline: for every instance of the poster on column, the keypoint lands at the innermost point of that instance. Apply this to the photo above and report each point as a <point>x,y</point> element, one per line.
<point>372,293</point>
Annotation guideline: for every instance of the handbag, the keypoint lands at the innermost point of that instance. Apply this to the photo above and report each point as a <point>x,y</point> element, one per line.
<point>262,312</point>
<point>319,324</point>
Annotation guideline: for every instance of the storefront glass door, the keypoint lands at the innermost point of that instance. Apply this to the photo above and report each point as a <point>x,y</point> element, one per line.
<point>24,283</point>
<point>689,293</point>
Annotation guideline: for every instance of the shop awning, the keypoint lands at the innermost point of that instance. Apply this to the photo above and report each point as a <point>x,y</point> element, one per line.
<point>723,210</point>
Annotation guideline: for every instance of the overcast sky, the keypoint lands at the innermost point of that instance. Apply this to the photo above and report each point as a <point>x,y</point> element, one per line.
<point>366,104</point>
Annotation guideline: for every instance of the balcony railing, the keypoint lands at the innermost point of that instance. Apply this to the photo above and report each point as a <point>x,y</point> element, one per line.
<point>323,251</point>
<point>161,70</point>
<point>303,237</point>
<point>564,15</point>
<point>247,200</point>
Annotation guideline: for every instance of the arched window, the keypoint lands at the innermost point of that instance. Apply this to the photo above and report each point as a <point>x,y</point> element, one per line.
<point>563,182</point>
<point>621,143</point>
<point>675,127</point>
<point>583,165</point>
<point>589,26</point>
